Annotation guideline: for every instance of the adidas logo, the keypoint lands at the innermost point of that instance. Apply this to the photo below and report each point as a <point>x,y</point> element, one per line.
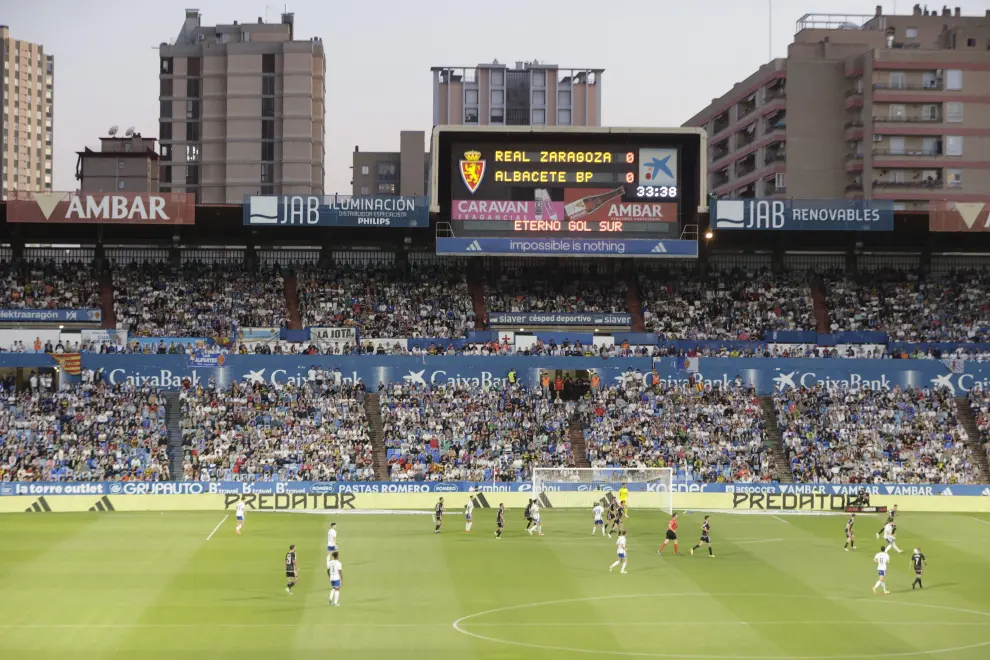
<point>480,501</point>
<point>947,491</point>
<point>659,249</point>
<point>545,501</point>
<point>102,504</point>
<point>474,246</point>
<point>986,492</point>
<point>40,506</point>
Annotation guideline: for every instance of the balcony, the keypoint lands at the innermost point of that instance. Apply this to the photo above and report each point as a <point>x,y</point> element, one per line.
<point>856,91</point>
<point>720,150</point>
<point>721,123</point>
<point>776,152</point>
<point>926,183</point>
<point>932,85</point>
<point>745,137</point>
<point>854,123</point>
<point>855,155</point>
<point>908,153</point>
<point>771,188</point>
<point>745,166</point>
<point>930,119</point>
<point>720,178</point>
<point>746,107</point>
<point>854,186</point>
<point>776,121</point>
<point>774,91</point>
<point>747,192</point>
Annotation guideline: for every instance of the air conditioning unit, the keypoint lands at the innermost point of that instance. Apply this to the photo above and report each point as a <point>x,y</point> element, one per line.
<point>878,138</point>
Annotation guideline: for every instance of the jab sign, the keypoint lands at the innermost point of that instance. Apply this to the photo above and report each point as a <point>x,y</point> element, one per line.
<point>100,208</point>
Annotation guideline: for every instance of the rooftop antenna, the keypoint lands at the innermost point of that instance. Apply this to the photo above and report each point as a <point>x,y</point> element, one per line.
<point>113,131</point>
<point>129,132</point>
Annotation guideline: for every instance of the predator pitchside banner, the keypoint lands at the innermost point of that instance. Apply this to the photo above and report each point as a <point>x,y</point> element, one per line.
<point>398,211</point>
<point>802,215</point>
<point>757,494</point>
<point>103,208</point>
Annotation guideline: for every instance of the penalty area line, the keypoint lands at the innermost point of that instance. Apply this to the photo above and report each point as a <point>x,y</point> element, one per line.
<point>781,520</point>
<point>217,527</point>
<point>979,520</point>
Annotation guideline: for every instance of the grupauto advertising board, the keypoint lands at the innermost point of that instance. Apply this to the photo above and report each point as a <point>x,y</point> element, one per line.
<point>103,208</point>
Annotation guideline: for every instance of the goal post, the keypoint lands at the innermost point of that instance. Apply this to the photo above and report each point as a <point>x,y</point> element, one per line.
<point>649,488</point>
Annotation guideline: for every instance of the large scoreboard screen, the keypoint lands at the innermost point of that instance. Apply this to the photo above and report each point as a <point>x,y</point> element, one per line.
<point>565,192</point>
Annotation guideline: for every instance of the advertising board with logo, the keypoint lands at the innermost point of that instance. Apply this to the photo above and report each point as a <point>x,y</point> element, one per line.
<point>22,315</point>
<point>603,319</point>
<point>802,215</point>
<point>389,211</point>
<point>959,216</point>
<point>569,247</point>
<point>103,208</point>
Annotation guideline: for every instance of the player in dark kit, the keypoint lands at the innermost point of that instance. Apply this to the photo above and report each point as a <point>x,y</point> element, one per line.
<point>706,539</point>
<point>438,516</point>
<point>671,536</point>
<point>500,521</point>
<point>529,516</point>
<point>614,515</point>
<point>918,561</point>
<point>291,570</point>
<point>850,534</point>
<point>890,519</point>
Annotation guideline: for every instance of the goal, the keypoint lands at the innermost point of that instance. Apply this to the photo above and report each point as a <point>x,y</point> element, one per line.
<point>649,488</point>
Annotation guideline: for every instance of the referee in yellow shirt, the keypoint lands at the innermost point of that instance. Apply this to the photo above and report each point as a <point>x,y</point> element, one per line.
<point>624,499</point>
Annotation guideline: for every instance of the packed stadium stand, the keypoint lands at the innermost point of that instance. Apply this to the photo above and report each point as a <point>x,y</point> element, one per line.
<point>571,288</point>
<point>39,284</point>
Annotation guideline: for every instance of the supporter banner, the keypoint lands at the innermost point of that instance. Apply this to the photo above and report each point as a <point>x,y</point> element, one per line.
<point>257,335</point>
<point>959,216</point>
<point>50,315</point>
<point>117,337</point>
<point>757,493</point>
<point>803,214</point>
<point>569,247</point>
<point>206,358</point>
<point>399,211</point>
<point>103,208</point>
<point>589,318</point>
<point>334,335</point>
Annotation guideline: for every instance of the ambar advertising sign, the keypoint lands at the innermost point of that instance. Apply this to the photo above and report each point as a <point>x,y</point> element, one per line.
<point>802,215</point>
<point>959,216</point>
<point>103,208</point>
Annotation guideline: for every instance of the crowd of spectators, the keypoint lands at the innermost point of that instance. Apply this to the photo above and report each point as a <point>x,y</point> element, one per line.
<point>197,299</point>
<point>979,401</point>
<point>543,289</point>
<point>83,432</point>
<point>727,305</point>
<point>705,433</point>
<point>386,301</point>
<point>463,432</point>
<point>836,435</point>
<point>49,285</point>
<point>255,431</point>
<point>950,307</point>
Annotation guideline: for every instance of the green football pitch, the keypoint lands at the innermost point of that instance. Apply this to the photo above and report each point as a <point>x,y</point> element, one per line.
<point>150,585</point>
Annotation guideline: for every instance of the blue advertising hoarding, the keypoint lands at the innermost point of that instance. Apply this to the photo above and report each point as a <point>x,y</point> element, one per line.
<point>606,319</point>
<point>400,211</point>
<point>20,315</point>
<point>90,488</point>
<point>569,247</point>
<point>802,215</point>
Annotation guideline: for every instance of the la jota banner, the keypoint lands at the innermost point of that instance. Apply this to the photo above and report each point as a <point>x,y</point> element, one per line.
<point>103,208</point>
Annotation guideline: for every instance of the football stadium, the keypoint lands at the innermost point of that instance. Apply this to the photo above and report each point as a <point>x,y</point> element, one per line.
<point>718,390</point>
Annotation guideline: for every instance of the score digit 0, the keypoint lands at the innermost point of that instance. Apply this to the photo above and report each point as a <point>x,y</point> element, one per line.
<point>630,177</point>
<point>630,157</point>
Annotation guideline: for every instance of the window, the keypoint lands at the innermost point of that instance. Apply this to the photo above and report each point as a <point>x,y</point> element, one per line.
<point>953,178</point>
<point>780,180</point>
<point>166,174</point>
<point>268,189</point>
<point>268,63</point>
<point>539,79</point>
<point>470,97</point>
<point>954,112</point>
<point>498,116</point>
<point>267,129</point>
<point>898,176</point>
<point>898,80</point>
<point>267,107</point>
<point>953,79</point>
<point>192,88</point>
<point>192,132</point>
<point>386,188</point>
<point>539,116</point>
<point>164,189</point>
<point>929,146</point>
<point>470,115</point>
<point>563,117</point>
<point>365,190</point>
<point>563,99</point>
<point>165,130</point>
<point>268,85</point>
<point>539,97</point>
<point>194,67</point>
<point>120,164</point>
<point>498,97</point>
<point>192,153</point>
<point>365,170</point>
<point>896,112</point>
<point>953,145</point>
<point>120,185</point>
<point>386,171</point>
<point>166,151</point>
<point>971,43</point>
<point>267,172</point>
<point>911,32</point>
<point>192,109</point>
<point>498,77</point>
<point>165,87</point>
<point>896,146</point>
<point>268,150</point>
<point>166,65</point>
<point>929,112</point>
<point>192,175</point>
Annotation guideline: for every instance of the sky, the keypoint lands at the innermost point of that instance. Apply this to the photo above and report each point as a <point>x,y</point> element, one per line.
<point>664,60</point>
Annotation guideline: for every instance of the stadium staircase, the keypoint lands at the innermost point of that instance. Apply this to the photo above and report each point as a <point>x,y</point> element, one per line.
<point>173,422</point>
<point>821,305</point>
<point>579,449</point>
<point>968,421</point>
<point>292,301</point>
<point>477,291</point>
<point>372,407</point>
<point>634,303</point>
<point>106,301</point>
<point>784,474</point>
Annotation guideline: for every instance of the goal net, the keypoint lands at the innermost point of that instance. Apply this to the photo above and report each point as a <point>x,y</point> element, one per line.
<point>649,488</point>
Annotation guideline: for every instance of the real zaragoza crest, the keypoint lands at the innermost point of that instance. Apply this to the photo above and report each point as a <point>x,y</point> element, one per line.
<point>472,170</point>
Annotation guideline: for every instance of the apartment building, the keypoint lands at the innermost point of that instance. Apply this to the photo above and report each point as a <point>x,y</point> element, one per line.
<point>242,111</point>
<point>403,172</point>
<point>28,102</point>
<point>530,93</point>
<point>890,107</point>
<point>127,164</point>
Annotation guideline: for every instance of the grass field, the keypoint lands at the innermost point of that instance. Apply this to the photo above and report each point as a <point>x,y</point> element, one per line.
<point>125,585</point>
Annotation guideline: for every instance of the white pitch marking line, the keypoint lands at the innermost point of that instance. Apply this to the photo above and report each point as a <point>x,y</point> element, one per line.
<point>521,624</point>
<point>217,527</point>
<point>781,520</point>
<point>979,520</point>
<point>756,541</point>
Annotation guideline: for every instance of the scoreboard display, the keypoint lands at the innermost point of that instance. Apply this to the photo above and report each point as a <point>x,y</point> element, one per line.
<point>566,185</point>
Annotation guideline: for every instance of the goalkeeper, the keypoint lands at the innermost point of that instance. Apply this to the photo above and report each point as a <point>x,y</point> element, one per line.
<point>624,500</point>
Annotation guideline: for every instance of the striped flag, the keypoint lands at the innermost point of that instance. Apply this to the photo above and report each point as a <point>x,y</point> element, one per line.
<point>70,362</point>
